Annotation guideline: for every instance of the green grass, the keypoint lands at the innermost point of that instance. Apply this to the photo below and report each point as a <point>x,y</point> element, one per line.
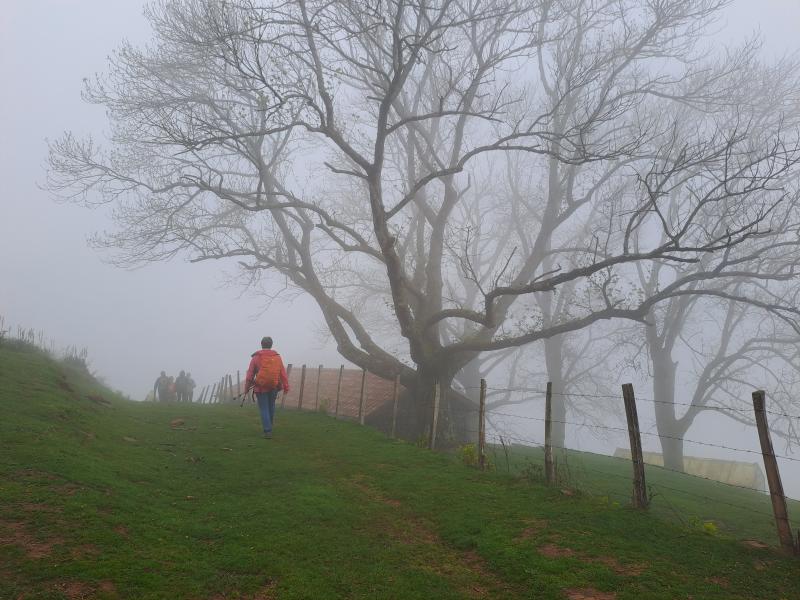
<point>690,501</point>
<point>107,500</point>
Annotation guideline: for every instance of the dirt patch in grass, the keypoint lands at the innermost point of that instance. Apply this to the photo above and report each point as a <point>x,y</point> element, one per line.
<point>589,594</point>
<point>467,570</point>
<point>62,383</point>
<point>413,531</point>
<point>66,489</point>
<point>720,581</point>
<point>107,587</point>
<point>533,528</point>
<point>630,570</point>
<point>14,533</point>
<point>553,551</point>
<point>80,590</point>
<point>84,552</point>
<point>35,475</point>
<point>98,399</point>
<point>268,592</point>
<point>39,507</point>
<point>122,530</point>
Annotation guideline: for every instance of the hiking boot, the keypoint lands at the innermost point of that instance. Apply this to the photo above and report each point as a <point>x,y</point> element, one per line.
<point>267,435</point>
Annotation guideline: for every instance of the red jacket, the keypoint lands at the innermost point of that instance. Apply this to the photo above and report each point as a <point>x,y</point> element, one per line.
<point>283,384</point>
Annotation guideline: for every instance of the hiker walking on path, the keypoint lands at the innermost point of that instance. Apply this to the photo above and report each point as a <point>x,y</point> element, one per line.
<point>172,390</point>
<point>190,385</point>
<point>161,388</point>
<point>267,376</point>
<point>180,387</point>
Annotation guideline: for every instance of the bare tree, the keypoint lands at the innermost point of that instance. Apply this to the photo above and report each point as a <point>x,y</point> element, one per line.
<point>335,144</point>
<point>729,346</point>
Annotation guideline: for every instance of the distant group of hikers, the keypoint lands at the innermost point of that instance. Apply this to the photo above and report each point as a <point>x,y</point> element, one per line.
<point>174,389</point>
<point>266,376</point>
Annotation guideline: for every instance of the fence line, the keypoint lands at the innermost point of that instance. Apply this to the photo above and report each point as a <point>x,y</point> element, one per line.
<point>644,399</point>
<point>502,437</point>
<point>648,433</point>
<point>500,434</point>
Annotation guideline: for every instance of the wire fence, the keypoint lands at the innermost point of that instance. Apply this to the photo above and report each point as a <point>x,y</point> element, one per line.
<point>742,510</point>
<point>707,499</point>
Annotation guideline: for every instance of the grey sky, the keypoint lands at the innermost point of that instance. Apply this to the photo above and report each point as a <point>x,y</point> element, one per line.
<point>165,316</point>
<point>134,323</point>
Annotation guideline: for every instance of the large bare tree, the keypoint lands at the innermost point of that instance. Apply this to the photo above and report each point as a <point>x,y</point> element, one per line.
<point>345,145</point>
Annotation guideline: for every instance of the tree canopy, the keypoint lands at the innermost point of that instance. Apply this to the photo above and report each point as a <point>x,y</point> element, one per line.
<point>435,173</point>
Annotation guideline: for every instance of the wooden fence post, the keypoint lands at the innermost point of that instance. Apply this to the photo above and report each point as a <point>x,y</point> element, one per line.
<point>640,499</point>
<point>482,427</point>
<point>394,404</point>
<point>283,393</point>
<point>549,465</point>
<point>773,476</point>
<point>302,386</point>
<point>435,416</point>
<point>361,399</point>
<point>338,391</point>
<point>238,382</point>
<point>211,395</point>
<point>316,396</point>
<point>230,388</point>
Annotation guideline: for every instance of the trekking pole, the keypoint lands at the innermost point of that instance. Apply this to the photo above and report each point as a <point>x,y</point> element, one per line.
<point>244,395</point>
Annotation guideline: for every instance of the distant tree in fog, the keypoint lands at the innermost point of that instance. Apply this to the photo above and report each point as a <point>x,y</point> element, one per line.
<point>718,350</point>
<point>354,150</point>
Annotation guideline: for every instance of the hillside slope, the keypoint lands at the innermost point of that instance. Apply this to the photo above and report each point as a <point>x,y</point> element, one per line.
<point>104,498</point>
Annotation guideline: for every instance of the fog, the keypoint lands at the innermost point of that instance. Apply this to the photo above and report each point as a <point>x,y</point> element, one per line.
<point>134,323</point>
<point>175,315</point>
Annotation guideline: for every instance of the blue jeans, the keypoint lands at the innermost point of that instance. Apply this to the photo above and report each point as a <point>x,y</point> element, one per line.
<point>266,406</point>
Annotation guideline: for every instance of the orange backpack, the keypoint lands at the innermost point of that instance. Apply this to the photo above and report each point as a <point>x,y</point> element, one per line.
<point>268,375</point>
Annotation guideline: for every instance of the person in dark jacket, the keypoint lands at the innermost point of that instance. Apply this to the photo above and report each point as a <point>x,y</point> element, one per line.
<point>180,387</point>
<point>161,388</point>
<point>266,394</point>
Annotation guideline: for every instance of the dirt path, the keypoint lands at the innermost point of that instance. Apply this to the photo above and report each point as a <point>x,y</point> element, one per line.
<point>467,571</point>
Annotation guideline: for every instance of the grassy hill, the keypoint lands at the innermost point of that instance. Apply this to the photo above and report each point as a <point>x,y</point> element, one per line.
<point>683,499</point>
<point>105,498</point>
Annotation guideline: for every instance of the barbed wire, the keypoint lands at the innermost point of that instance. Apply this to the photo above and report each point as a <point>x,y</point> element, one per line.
<point>638,398</point>
<point>647,433</point>
<point>663,468</point>
<point>590,469</point>
<point>652,484</point>
<point>716,500</point>
<point>747,411</point>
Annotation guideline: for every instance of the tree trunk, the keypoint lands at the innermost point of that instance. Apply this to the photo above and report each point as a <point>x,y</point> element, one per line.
<point>553,348</point>
<point>670,429</point>
<point>673,453</point>
<point>470,378</point>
